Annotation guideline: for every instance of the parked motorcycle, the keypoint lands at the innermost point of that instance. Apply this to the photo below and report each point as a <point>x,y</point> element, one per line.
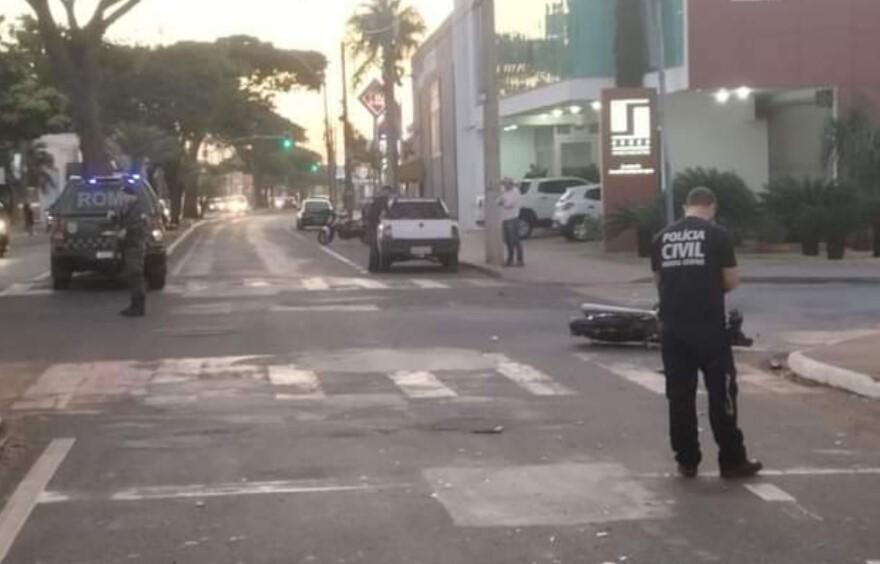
<point>621,325</point>
<point>345,228</point>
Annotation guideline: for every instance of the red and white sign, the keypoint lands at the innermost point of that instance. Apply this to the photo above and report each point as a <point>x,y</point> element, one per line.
<point>373,98</point>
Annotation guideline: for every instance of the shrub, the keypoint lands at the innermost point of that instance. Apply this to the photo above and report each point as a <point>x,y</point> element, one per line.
<point>645,219</point>
<point>737,205</point>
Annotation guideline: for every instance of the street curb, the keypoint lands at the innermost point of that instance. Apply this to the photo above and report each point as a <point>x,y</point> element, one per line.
<point>490,272</point>
<point>834,376</point>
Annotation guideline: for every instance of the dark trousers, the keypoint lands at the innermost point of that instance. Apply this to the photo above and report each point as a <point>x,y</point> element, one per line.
<point>512,241</point>
<point>683,361</point>
<point>135,251</point>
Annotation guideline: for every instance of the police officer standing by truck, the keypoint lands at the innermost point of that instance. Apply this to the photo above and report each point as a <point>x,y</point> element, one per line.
<point>695,266</point>
<point>133,219</point>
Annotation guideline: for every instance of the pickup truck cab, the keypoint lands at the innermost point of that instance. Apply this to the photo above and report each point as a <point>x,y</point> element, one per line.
<point>416,229</point>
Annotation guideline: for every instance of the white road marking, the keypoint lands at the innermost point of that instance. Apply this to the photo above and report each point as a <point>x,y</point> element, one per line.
<point>531,379</point>
<point>19,290</point>
<point>315,284</point>
<point>369,284</point>
<point>330,252</point>
<point>638,375</point>
<point>43,277</point>
<point>429,284</point>
<point>184,260</point>
<point>421,385</point>
<point>304,381</point>
<point>173,246</point>
<point>200,491</point>
<point>28,492</point>
<point>338,308</point>
<point>771,493</point>
<point>873,562</point>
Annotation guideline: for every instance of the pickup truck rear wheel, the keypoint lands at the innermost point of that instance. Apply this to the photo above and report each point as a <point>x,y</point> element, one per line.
<point>61,278</point>
<point>450,262</point>
<point>373,264</point>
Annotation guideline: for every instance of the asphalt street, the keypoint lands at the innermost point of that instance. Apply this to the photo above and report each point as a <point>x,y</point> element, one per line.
<point>279,405</point>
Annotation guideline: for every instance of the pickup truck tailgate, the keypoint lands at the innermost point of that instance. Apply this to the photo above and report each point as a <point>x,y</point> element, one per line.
<point>414,229</point>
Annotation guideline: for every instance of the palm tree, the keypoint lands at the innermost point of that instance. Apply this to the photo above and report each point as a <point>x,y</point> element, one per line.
<point>383,35</point>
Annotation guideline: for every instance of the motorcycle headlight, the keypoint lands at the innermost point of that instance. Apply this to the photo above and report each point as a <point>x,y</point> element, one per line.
<point>158,235</point>
<point>3,227</point>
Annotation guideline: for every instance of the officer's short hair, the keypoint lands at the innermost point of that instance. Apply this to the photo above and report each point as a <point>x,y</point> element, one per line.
<point>701,197</point>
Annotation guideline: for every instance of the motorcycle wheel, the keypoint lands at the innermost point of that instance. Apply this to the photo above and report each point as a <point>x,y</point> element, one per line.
<point>325,236</point>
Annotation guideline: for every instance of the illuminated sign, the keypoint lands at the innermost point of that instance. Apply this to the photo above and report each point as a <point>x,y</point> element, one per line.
<point>631,134</point>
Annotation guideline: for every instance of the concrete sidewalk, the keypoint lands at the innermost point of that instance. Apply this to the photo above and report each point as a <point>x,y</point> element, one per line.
<point>852,365</point>
<point>552,260</point>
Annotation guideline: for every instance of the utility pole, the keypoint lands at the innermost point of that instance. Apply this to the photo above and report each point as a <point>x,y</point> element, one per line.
<point>665,166</point>
<point>491,140</point>
<point>348,196</point>
<point>331,150</point>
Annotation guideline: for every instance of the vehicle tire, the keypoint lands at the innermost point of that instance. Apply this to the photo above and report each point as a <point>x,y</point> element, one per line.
<point>61,278</point>
<point>156,273</point>
<point>574,230</point>
<point>299,226</point>
<point>527,221</point>
<point>450,262</point>
<point>373,265</point>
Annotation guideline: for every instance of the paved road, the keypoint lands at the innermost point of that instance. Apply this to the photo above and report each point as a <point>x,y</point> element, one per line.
<point>279,406</point>
<point>28,258</point>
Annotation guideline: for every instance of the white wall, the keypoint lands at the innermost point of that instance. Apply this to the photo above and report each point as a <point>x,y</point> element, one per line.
<point>517,152</point>
<point>796,140</point>
<point>703,133</point>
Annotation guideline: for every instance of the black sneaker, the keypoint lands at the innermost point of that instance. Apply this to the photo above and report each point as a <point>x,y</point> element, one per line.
<point>688,471</point>
<point>743,470</point>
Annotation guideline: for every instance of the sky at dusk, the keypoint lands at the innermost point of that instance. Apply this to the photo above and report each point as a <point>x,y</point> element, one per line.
<point>296,24</point>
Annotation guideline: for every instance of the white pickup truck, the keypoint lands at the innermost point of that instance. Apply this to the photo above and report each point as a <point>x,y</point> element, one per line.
<point>416,229</point>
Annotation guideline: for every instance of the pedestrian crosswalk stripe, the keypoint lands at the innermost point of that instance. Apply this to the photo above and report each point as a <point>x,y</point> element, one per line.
<point>304,382</point>
<point>638,375</point>
<point>315,284</point>
<point>426,284</point>
<point>421,385</point>
<point>18,290</point>
<point>369,284</point>
<point>532,379</point>
<point>328,308</point>
<point>485,283</point>
<point>770,493</point>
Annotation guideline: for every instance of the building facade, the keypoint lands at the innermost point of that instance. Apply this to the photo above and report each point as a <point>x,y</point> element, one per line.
<point>753,84</point>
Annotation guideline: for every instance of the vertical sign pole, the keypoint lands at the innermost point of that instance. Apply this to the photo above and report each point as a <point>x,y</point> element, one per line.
<point>348,196</point>
<point>665,166</point>
<point>491,141</point>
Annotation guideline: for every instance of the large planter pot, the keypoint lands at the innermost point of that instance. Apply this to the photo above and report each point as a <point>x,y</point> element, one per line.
<point>646,243</point>
<point>836,249</point>
<point>767,248</point>
<point>810,248</point>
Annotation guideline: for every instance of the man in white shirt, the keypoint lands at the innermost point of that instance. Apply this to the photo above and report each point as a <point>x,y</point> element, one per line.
<point>510,207</point>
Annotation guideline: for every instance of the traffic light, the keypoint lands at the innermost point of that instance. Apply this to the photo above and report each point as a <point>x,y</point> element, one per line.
<point>287,143</point>
<point>315,168</point>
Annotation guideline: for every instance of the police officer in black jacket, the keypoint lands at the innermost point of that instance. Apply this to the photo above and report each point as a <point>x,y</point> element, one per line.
<point>695,266</point>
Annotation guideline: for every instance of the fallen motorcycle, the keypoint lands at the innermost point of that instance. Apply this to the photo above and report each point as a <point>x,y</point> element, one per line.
<point>621,325</point>
<point>343,227</point>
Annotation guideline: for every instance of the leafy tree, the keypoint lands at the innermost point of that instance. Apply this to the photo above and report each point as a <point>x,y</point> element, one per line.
<point>383,35</point>
<point>29,108</point>
<point>73,52</point>
<point>852,153</point>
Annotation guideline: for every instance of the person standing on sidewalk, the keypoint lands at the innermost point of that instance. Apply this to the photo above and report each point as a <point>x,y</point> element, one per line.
<point>695,266</point>
<point>28,212</point>
<point>510,209</point>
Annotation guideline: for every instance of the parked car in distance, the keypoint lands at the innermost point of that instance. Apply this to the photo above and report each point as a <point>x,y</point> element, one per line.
<point>314,212</point>
<point>416,229</point>
<point>538,202</point>
<point>576,205</point>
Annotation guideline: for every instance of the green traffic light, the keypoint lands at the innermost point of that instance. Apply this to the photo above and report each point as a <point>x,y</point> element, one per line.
<point>287,144</point>
<point>315,168</point>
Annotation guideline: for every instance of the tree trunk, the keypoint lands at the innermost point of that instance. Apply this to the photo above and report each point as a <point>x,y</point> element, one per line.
<point>630,44</point>
<point>83,85</point>
<point>175,189</point>
<point>391,119</point>
<point>191,201</point>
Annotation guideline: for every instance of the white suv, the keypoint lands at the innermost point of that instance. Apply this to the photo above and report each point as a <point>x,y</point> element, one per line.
<point>538,202</point>
<point>574,207</point>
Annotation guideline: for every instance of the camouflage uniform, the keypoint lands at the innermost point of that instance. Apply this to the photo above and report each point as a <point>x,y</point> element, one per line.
<point>133,218</point>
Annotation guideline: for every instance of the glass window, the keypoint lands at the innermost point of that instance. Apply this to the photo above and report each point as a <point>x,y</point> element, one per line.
<point>594,194</point>
<point>554,187</point>
<point>317,206</point>
<point>524,187</point>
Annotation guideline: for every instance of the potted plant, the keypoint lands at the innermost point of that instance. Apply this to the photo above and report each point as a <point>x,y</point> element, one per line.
<point>645,219</point>
<point>796,205</point>
<point>841,215</point>
<point>771,237</point>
